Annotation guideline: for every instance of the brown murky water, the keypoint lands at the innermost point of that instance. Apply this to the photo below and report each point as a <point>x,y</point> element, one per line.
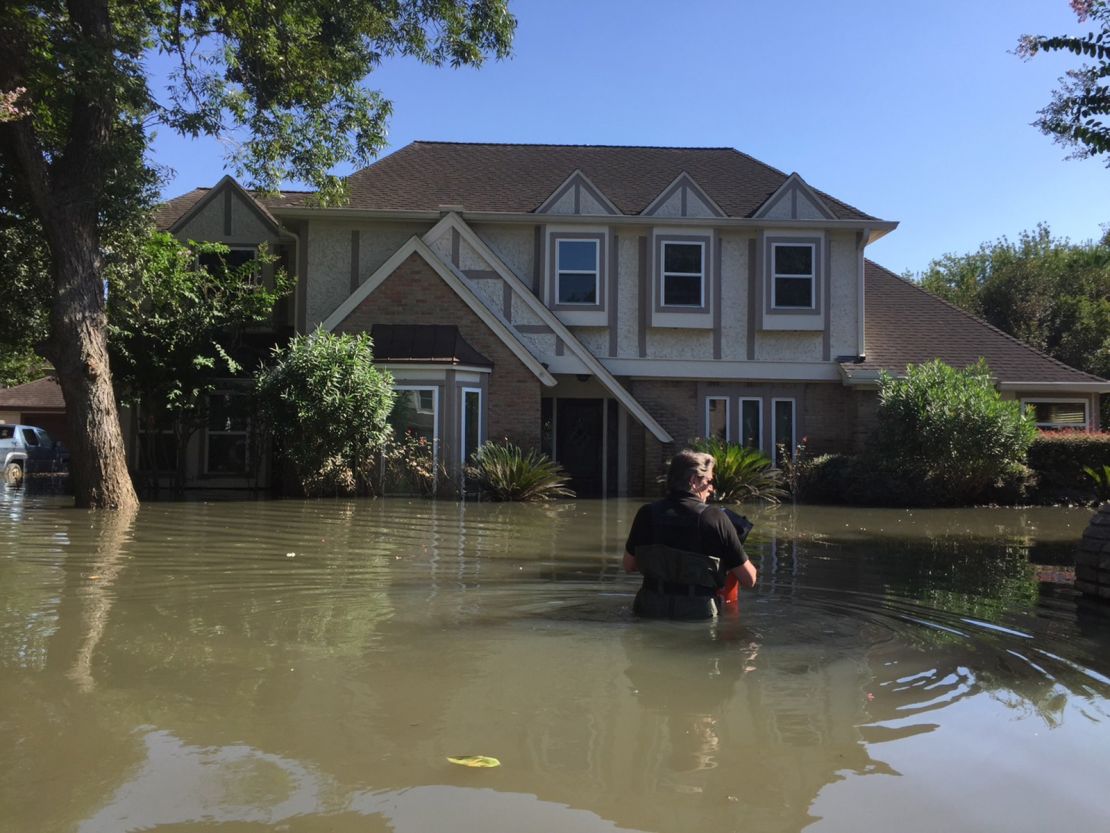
<point>309,666</point>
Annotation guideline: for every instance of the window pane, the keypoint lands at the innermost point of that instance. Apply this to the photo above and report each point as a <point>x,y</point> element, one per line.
<point>6,432</point>
<point>794,292</point>
<point>227,412</point>
<point>472,422</point>
<point>227,453</point>
<point>717,417</point>
<point>1063,414</point>
<point>682,257</point>
<point>575,288</point>
<point>29,437</point>
<point>218,263</point>
<point>579,255</point>
<point>784,428</point>
<point>413,413</point>
<point>793,260</point>
<point>682,290</point>
<point>749,425</point>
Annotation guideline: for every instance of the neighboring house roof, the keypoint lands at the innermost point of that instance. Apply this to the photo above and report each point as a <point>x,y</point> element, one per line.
<point>423,176</point>
<point>906,325</point>
<point>171,212</point>
<point>424,344</point>
<point>41,395</point>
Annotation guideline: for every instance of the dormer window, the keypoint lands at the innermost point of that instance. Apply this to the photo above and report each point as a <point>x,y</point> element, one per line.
<point>793,276</point>
<point>683,274</point>
<point>577,269</point>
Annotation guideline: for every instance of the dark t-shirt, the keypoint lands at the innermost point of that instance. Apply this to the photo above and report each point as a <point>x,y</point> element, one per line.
<point>708,533</point>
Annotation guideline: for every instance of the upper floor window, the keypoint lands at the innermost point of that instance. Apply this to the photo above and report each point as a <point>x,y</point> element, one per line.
<point>577,270</point>
<point>683,276</point>
<point>792,275</point>
<point>221,263</point>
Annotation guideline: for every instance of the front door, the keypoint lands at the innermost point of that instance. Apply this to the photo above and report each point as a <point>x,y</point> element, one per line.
<point>578,443</point>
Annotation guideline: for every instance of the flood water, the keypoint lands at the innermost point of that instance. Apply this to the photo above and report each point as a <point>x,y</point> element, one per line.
<point>309,666</point>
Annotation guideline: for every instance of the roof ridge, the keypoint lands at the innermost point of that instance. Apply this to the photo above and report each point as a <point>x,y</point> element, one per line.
<point>981,321</point>
<point>580,145</point>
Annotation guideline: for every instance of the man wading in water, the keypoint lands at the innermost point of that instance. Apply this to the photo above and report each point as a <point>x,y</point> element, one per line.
<point>683,548</point>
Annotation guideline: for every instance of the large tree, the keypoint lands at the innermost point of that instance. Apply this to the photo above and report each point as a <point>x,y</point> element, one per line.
<point>1049,292</point>
<point>1078,116</point>
<point>284,77</point>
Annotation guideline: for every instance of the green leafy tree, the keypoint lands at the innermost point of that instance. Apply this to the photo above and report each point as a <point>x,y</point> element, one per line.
<point>23,314</point>
<point>951,430</point>
<point>327,406</point>
<point>1078,116</point>
<point>284,81</point>
<point>174,329</point>
<point>1052,294</point>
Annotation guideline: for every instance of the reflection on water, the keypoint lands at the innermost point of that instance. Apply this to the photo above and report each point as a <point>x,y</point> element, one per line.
<point>309,666</point>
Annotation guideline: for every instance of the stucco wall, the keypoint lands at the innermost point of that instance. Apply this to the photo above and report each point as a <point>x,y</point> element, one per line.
<point>208,225</point>
<point>843,297</point>
<point>734,296</point>
<point>514,244</point>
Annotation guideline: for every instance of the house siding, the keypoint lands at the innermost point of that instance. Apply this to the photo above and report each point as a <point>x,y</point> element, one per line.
<point>415,294</point>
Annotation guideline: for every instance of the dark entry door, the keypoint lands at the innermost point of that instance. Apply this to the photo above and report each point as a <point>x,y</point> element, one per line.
<point>578,443</point>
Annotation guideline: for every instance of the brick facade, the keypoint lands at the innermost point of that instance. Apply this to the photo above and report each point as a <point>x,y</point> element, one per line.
<point>416,294</point>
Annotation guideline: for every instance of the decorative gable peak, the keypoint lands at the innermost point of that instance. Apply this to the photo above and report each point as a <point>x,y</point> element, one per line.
<point>227,212</point>
<point>683,198</point>
<point>577,195</point>
<point>794,200</point>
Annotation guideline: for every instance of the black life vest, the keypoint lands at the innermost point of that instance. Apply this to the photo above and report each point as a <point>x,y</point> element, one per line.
<point>678,583</point>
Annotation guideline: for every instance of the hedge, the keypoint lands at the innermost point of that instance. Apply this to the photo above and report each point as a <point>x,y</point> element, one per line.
<point>1058,458</point>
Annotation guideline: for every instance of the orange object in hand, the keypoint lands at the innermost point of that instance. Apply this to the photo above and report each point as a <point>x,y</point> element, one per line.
<point>730,593</point>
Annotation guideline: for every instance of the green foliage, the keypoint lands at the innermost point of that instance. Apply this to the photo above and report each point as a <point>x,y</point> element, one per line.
<point>327,407</point>
<point>504,472</point>
<point>174,327</point>
<point>1049,293</point>
<point>741,473</point>
<point>1059,459</point>
<point>25,311</point>
<point>1079,114</point>
<point>951,431</point>
<point>1101,479</point>
<point>409,462</point>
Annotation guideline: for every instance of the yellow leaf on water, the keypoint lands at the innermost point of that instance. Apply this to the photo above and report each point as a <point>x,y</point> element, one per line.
<point>475,760</point>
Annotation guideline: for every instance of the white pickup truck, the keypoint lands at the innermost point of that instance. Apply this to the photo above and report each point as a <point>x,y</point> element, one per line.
<point>25,449</point>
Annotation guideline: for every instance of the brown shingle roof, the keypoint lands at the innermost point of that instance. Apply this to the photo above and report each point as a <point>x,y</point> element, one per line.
<point>422,176</point>
<point>907,325</point>
<point>41,395</point>
<point>425,344</point>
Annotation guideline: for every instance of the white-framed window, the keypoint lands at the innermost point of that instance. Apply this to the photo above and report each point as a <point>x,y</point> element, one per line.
<point>751,422</point>
<point>783,429</point>
<point>470,428</point>
<point>682,278</point>
<point>227,434</point>
<point>1058,414</point>
<point>716,417</point>
<point>577,270</point>
<point>416,413</point>
<point>793,275</point>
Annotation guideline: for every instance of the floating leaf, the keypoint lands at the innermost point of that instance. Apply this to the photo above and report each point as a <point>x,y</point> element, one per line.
<point>483,761</point>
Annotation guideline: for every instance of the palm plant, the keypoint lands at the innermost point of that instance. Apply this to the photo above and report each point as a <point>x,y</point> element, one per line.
<point>741,473</point>
<point>505,472</point>
<point>1101,480</point>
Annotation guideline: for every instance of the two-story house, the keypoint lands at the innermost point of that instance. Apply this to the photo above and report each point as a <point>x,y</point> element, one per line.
<point>607,304</point>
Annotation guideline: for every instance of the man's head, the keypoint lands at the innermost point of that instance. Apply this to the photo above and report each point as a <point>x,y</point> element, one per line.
<point>691,471</point>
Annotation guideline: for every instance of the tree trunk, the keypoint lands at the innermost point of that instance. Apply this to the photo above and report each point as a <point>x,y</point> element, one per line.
<point>79,350</point>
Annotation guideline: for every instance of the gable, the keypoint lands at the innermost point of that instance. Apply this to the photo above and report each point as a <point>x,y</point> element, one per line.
<point>227,214</point>
<point>795,200</point>
<point>683,198</point>
<point>577,195</point>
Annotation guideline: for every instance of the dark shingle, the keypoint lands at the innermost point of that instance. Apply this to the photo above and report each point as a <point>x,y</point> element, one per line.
<point>907,325</point>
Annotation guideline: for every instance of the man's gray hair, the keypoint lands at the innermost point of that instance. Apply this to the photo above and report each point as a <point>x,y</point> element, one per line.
<point>686,465</point>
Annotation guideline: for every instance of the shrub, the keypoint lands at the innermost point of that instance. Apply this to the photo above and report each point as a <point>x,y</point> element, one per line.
<point>410,465</point>
<point>327,406</point>
<point>951,431</point>
<point>1059,459</point>
<point>504,472</point>
<point>741,473</point>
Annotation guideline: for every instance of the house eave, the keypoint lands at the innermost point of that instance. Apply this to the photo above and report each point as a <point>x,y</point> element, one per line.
<point>875,228</point>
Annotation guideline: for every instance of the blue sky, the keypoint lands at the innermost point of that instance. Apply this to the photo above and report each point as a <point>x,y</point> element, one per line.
<point>917,112</point>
